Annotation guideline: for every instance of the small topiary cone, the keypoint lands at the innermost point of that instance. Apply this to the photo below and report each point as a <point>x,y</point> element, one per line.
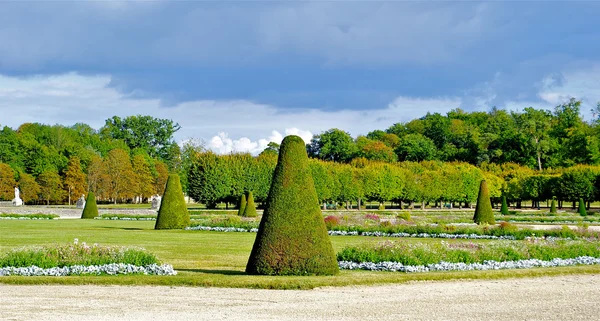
<point>483,212</point>
<point>582,210</point>
<point>553,205</point>
<point>90,210</point>
<point>381,207</point>
<point>173,213</point>
<point>504,208</point>
<point>242,205</point>
<point>292,238</point>
<point>250,210</point>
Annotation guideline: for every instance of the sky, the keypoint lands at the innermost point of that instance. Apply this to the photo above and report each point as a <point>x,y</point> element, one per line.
<point>239,74</point>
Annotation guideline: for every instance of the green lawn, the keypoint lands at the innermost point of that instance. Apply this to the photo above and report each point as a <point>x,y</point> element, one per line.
<point>209,258</point>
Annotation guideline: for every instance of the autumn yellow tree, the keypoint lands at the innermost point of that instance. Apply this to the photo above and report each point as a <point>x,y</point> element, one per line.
<point>30,189</point>
<point>7,182</point>
<point>94,174</point>
<point>144,181</point>
<point>50,186</point>
<point>162,174</point>
<point>75,179</point>
<point>118,181</point>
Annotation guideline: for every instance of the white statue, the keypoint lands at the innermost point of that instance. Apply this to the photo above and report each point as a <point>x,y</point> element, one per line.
<point>17,201</point>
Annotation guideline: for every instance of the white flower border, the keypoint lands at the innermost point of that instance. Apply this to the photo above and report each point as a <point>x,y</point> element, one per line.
<point>486,265</point>
<point>355,233</point>
<point>27,218</point>
<point>106,269</point>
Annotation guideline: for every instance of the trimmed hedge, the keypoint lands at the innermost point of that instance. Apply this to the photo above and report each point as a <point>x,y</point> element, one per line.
<point>250,210</point>
<point>292,238</point>
<point>242,205</point>
<point>173,213</point>
<point>553,205</point>
<point>90,210</point>
<point>483,211</point>
<point>504,208</point>
<point>582,210</point>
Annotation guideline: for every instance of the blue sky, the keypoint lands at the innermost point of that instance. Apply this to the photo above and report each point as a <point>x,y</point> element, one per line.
<point>237,74</point>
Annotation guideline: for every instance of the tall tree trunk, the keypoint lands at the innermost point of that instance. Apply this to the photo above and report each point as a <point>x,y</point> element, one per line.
<point>358,205</point>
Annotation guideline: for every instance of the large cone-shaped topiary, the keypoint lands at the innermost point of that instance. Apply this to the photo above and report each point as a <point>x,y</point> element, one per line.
<point>173,213</point>
<point>582,210</point>
<point>504,208</point>
<point>483,211</point>
<point>250,210</point>
<point>292,238</point>
<point>553,205</point>
<point>90,210</point>
<point>242,205</point>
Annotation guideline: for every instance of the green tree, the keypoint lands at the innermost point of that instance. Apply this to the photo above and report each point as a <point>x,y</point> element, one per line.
<point>143,178</point>
<point>483,211</point>
<point>173,213</point>
<point>334,145</point>
<point>152,135</point>
<point>292,238</point>
<point>535,125</point>
<point>118,181</point>
<point>374,150</point>
<point>415,148</point>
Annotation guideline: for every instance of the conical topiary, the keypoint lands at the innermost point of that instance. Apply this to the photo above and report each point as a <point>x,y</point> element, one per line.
<point>582,210</point>
<point>173,213</point>
<point>504,208</point>
<point>483,211</point>
<point>292,238</point>
<point>250,210</point>
<point>553,205</point>
<point>242,205</point>
<point>90,210</point>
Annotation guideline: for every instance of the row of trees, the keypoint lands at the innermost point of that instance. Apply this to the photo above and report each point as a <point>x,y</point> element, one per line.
<point>532,138</point>
<point>115,177</point>
<point>215,179</point>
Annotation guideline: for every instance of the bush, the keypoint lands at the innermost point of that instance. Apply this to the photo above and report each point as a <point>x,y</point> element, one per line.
<point>292,238</point>
<point>404,216</point>
<point>242,205</point>
<point>90,210</point>
<point>173,212</point>
<point>250,210</point>
<point>331,221</point>
<point>582,210</point>
<point>483,210</point>
<point>553,205</point>
<point>504,208</point>
<point>381,207</point>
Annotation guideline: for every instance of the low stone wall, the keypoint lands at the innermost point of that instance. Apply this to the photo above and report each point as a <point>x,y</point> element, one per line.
<point>69,212</point>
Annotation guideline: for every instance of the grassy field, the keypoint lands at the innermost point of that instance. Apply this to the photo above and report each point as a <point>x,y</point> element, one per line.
<point>210,258</point>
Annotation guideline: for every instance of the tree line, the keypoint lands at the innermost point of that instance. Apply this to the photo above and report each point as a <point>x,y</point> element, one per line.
<point>214,179</point>
<point>533,138</point>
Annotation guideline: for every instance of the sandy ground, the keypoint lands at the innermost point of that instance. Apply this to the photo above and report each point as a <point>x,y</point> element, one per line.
<point>573,297</point>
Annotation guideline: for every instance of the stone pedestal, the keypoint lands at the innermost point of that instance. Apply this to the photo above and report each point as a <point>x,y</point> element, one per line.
<point>156,203</point>
<point>17,202</point>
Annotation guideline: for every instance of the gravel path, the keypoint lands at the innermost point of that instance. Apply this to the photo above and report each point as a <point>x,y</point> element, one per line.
<point>573,297</point>
<point>72,212</point>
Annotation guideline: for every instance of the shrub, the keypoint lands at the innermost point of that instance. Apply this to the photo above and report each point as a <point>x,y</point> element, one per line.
<point>372,217</point>
<point>331,221</point>
<point>582,210</point>
<point>292,238</point>
<point>381,206</point>
<point>173,212</point>
<point>504,208</point>
<point>242,205</point>
<point>250,210</point>
<point>90,210</point>
<point>483,210</point>
<point>404,216</point>
<point>553,205</point>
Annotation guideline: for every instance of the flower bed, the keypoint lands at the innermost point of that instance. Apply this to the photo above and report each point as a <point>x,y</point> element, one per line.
<point>81,259</point>
<point>106,269</point>
<point>425,254</point>
<point>487,265</point>
<point>28,216</point>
